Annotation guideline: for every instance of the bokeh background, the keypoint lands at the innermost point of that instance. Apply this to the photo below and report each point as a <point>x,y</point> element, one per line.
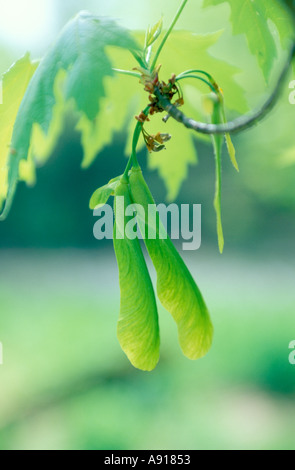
<point>65,383</point>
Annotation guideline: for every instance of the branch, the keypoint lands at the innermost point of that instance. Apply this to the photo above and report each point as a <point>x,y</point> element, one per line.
<point>239,124</point>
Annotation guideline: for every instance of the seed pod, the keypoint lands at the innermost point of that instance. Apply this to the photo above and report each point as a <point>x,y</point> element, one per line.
<point>138,328</point>
<point>176,288</point>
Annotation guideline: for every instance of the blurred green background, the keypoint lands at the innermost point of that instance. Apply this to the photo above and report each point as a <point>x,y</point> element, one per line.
<point>65,383</point>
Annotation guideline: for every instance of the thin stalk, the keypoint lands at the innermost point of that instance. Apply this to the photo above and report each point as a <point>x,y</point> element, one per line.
<point>127,72</point>
<point>141,61</point>
<point>127,169</point>
<point>198,78</point>
<point>202,72</point>
<point>133,158</point>
<point>180,10</point>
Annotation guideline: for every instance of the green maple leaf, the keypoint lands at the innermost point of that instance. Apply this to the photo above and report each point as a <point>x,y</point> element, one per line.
<point>15,83</point>
<point>85,81</point>
<point>71,74</point>
<point>252,19</point>
<point>191,50</point>
<point>125,98</point>
<point>121,102</point>
<point>174,162</point>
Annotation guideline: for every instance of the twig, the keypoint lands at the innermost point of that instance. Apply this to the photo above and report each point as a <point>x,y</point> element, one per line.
<point>239,124</point>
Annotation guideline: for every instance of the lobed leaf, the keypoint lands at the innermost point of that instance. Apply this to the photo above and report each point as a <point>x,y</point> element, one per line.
<point>15,83</point>
<point>72,73</point>
<point>125,98</point>
<point>191,50</point>
<point>252,19</point>
<point>77,74</point>
<point>119,105</point>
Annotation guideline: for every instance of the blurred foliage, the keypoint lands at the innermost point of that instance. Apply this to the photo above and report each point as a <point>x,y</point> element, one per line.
<point>65,383</point>
<point>64,76</point>
<point>253,20</point>
<point>15,83</point>
<point>192,51</point>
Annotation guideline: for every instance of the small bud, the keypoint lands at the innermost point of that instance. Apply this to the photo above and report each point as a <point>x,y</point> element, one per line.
<point>149,87</point>
<point>179,102</point>
<point>162,138</point>
<point>150,147</point>
<point>173,79</point>
<point>142,118</point>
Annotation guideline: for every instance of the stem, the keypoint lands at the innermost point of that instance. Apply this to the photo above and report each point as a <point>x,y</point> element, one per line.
<point>180,10</point>
<point>128,72</point>
<point>127,169</point>
<point>198,78</point>
<point>141,61</point>
<point>217,145</point>
<point>197,71</point>
<point>133,158</point>
<point>239,124</point>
